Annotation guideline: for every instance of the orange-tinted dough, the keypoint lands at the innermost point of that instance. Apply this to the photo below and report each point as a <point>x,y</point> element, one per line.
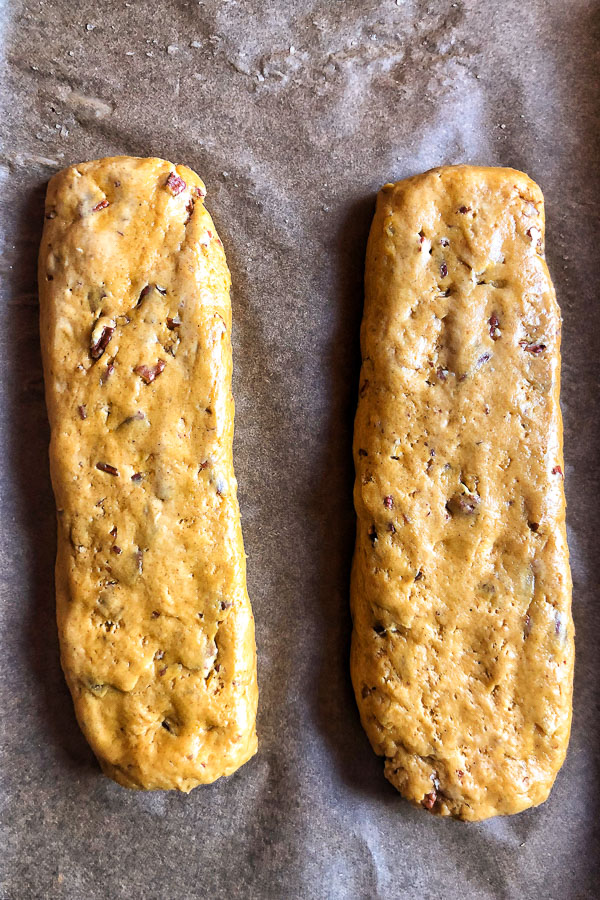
<point>155,625</point>
<point>462,653</point>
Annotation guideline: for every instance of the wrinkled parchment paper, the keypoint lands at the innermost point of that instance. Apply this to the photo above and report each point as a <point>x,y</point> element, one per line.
<point>294,114</point>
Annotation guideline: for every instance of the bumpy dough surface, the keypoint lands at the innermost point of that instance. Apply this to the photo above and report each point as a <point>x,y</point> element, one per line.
<point>462,653</point>
<point>155,625</point>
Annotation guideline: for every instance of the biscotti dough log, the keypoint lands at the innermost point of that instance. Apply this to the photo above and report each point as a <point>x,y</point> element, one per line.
<point>155,625</point>
<point>462,653</point>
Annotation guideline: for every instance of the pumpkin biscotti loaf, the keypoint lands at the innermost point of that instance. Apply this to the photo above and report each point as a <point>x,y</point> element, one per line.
<point>155,625</point>
<point>462,653</point>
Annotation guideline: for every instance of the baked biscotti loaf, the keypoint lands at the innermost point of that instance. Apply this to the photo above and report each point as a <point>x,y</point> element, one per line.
<point>462,652</point>
<point>155,626</point>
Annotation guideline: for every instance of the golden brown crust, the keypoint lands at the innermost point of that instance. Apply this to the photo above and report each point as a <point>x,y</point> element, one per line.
<point>155,625</point>
<point>462,653</point>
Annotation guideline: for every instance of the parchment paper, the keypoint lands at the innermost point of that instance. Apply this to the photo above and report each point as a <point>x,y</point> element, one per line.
<point>294,114</point>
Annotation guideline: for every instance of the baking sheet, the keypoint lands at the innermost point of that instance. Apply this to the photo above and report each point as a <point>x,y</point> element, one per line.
<point>294,114</point>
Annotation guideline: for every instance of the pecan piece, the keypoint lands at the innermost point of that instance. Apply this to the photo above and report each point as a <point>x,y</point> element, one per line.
<point>429,799</point>
<point>149,373</point>
<point>106,467</point>
<point>144,293</point>
<point>494,324</point>
<point>535,236</point>
<point>463,503</point>
<point>175,184</point>
<point>101,335</point>
<point>136,417</point>
<point>535,347</point>
<point>110,368</point>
